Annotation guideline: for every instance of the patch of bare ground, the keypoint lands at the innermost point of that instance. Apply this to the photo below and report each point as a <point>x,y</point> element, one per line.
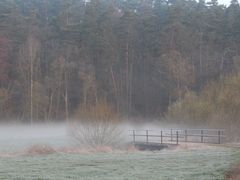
<point>233,173</point>
<point>193,146</point>
<point>99,149</point>
<point>82,150</point>
<point>40,150</point>
<point>232,145</point>
<point>45,149</point>
<point>10,155</point>
<point>31,151</point>
<point>35,150</point>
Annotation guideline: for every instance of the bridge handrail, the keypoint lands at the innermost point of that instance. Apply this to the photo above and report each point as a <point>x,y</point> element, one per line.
<point>178,130</point>
<point>178,135</point>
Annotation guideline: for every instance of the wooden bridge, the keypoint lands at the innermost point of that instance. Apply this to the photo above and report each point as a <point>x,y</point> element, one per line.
<point>159,139</point>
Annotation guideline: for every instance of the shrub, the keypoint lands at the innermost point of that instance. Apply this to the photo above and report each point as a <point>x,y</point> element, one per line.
<point>191,110</point>
<point>97,126</point>
<point>40,150</point>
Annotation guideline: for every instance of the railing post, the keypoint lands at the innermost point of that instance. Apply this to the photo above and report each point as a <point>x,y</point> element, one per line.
<point>185,135</point>
<point>161,138</point>
<point>219,137</point>
<point>171,136</point>
<point>134,136</point>
<point>201,136</point>
<point>177,137</point>
<point>147,136</point>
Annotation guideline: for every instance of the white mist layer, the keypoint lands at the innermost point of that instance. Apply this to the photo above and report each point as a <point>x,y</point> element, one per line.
<point>35,131</point>
<point>18,137</point>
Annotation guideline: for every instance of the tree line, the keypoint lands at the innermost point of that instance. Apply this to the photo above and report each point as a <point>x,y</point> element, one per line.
<point>140,56</point>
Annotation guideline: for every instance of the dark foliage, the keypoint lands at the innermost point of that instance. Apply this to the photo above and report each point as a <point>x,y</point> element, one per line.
<point>141,56</point>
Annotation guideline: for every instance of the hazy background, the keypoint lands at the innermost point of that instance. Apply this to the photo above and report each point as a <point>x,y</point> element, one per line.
<point>225,2</point>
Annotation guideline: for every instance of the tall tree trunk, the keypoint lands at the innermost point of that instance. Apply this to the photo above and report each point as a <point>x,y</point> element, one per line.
<point>115,88</point>
<point>200,58</point>
<point>31,46</point>
<point>31,90</point>
<point>130,88</point>
<point>66,96</point>
<point>144,86</point>
<point>127,78</point>
<point>50,106</point>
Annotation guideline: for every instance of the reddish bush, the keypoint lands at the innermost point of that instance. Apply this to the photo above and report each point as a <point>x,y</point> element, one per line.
<point>40,150</point>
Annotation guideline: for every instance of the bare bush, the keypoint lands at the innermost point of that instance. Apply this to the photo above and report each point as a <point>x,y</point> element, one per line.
<point>40,150</point>
<point>96,134</point>
<point>97,127</point>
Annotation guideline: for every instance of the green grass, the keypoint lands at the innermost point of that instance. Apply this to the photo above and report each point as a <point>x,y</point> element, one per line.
<point>168,164</point>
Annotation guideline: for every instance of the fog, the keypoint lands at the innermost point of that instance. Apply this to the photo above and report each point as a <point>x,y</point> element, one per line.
<point>35,131</point>
<point>61,130</point>
<point>54,130</point>
<point>19,137</point>
<point>22,139</point>
<point>16,137</point>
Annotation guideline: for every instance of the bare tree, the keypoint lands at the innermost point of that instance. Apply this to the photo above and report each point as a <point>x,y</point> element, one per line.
<point>28,64</point>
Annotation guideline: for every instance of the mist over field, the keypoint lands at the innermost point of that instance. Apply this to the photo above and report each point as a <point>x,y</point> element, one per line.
<point>119,89</point>
<point>20,137</point>
<point>50,151</point>
<point>47,152</point>
<point>35,131</point>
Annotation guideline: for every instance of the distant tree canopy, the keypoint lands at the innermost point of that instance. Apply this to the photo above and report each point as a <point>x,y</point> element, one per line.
<point>141,56</point>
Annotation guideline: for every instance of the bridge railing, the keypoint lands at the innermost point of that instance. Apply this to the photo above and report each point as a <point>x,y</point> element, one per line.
<point>176,136</point>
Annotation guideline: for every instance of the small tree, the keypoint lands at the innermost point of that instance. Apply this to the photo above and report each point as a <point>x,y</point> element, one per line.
<point>98,126</point>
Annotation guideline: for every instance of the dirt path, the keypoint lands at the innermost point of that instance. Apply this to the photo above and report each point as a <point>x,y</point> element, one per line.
<point>234,173</point>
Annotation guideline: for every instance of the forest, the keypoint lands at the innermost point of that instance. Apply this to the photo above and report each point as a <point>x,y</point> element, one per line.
<point>172,59</point>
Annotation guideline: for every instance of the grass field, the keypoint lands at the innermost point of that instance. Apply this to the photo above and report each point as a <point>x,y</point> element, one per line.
<point>183,164</point>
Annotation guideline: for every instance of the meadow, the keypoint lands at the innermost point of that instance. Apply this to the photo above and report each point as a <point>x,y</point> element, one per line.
<point>209,163</point>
